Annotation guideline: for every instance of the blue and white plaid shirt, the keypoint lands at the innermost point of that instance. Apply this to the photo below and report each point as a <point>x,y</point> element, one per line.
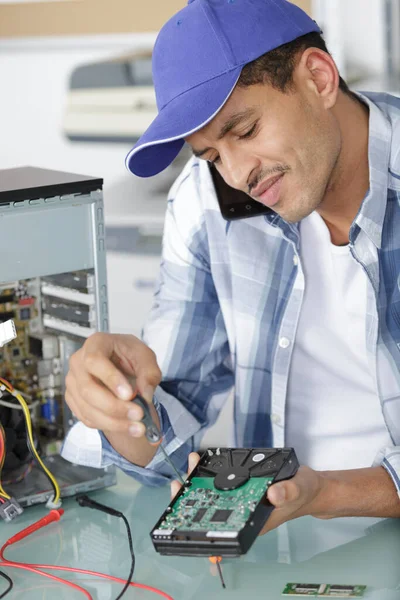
<point>229,292</point>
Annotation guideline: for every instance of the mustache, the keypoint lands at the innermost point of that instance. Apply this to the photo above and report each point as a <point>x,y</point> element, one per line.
<point>265,173</point>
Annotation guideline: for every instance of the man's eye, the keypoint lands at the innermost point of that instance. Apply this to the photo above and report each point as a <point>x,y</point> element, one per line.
<point>248,133</point>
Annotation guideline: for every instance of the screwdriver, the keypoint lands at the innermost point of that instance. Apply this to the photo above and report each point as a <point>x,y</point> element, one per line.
<point>153,434</point>
<point>215,560</point>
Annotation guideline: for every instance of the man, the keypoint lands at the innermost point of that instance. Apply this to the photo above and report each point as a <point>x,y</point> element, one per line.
<point>299,309</point>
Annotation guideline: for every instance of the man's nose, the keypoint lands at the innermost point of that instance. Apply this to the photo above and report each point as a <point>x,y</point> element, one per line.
<point>236,169</point>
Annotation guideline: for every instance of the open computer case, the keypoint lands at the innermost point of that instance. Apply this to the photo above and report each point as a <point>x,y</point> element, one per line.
<point>53,285</point>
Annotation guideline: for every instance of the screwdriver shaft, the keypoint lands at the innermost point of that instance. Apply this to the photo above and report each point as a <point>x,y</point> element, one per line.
<point>220,575</point>
<point>171,464</point>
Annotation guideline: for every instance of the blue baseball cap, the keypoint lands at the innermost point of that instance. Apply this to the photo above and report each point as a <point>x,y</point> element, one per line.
<point>197,60</point>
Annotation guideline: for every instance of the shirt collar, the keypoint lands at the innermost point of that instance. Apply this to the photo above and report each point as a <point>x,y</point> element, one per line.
<point>372,211</point>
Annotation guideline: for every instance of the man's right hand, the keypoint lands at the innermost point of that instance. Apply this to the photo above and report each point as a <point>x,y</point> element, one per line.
<point>99,388</point>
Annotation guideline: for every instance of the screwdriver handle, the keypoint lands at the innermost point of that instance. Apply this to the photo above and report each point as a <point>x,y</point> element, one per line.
<point>152,433</point>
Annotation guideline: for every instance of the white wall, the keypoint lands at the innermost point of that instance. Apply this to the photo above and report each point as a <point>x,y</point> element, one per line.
<point>364,34</point>
<point>34,80</point>
<point>355,34</point>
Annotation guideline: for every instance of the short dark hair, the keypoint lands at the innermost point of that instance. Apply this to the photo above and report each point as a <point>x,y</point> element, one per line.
<point>276,66</point>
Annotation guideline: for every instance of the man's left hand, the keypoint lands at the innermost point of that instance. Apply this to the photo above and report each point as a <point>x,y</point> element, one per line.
<point>295,498</point>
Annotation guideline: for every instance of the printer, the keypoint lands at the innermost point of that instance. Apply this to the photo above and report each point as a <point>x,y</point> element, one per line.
<point>111,100</point>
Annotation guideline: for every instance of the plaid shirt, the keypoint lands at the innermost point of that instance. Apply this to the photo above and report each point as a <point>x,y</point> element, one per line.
<point>228,302</point>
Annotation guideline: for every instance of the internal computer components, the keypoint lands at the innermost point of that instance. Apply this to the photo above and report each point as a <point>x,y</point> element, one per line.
<point>223,505</point>
<point>52,316</point>
<point>53,285</point>
<point>323,590</point>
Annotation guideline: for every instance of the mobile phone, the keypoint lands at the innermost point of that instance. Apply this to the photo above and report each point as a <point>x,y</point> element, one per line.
<point>233,203</point>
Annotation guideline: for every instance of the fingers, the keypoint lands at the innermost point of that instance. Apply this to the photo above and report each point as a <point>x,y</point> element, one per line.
<point>135,358</point>
<point>94,359</point>
<point>137,429</point>
<point>96,407</point>
<point>286,497</point>
<point>90,394</point>
<point>104,377</point>
<point>98,420</point>
<point>193,460</point>
<point>283,493</point>
<point>114,359</point>
<point>175,487</point>
<point>148,374</point>
<point>277,494</point>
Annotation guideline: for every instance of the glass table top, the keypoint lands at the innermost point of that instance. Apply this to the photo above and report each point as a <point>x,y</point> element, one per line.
<point>340,551</point>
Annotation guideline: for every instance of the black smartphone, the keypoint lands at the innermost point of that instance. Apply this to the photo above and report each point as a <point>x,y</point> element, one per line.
<point>235,204</point>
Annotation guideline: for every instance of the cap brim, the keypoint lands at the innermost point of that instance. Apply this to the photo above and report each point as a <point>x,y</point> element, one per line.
<point>189,112</point>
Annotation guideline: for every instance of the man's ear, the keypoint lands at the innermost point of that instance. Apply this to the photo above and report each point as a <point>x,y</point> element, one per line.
<point>319,73</point>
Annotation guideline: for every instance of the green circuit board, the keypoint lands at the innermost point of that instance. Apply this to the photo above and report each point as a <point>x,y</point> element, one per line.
<point>323,590</point>
<point>202,507</point>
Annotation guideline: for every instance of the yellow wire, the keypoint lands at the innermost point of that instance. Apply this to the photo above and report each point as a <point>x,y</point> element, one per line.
<point>2,492</point>
<point>27,415</point>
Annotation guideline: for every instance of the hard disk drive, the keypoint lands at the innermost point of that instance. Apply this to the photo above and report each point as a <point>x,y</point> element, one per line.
<point>223,505</point>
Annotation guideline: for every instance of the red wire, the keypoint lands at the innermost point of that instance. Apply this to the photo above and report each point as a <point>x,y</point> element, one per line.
<point>14,565</point>
<point>2,453</point>
<point>34,568</point>
<point>30,567</point>
<point>2,443</point>
<point>110,577</point>
<point>6,383</point>
<point>2,439</point>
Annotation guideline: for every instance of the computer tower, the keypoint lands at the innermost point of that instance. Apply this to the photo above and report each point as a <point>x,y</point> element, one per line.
<point>53,284</point>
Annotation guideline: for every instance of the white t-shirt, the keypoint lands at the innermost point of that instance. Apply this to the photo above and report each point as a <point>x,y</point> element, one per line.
<point>333,414</point>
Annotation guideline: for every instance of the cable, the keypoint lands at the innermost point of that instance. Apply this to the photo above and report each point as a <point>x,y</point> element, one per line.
<point>55,515</point>
<point>128,581</point>
<point>27,470</point>
<point>10,584</point>
<point>20,477</point>
<point>141,586</point>
<point>3,494</point>
<point>31,569</point>
<point>17,406</point>
<point>31,444</point>
<point>86,501</point>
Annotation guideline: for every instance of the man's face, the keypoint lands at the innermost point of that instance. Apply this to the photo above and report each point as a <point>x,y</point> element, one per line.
<point>281,148</point>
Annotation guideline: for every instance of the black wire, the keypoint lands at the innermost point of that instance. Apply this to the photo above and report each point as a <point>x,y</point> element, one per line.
<point>128,581</point>
<point>86,501</point>
<point>10,584</point>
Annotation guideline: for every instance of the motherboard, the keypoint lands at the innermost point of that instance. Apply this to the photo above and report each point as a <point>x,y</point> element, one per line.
<point>52,315</point>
